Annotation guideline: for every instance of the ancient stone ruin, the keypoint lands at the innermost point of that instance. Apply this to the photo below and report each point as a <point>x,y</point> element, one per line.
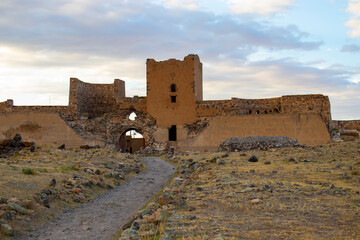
<point>172,115</point>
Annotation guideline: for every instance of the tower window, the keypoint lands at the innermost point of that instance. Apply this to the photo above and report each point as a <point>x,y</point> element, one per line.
<point>173,87</point>
<point>173,98</point>
<point>172,133</point>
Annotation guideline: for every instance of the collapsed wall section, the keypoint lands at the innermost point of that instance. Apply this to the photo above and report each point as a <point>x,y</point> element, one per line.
<point>94,100</point>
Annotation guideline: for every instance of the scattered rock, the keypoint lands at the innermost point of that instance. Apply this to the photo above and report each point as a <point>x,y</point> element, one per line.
<point>17,208</point>
<point>2,214</point>
<point>3,201</point>
<point>6,229</point>
<point>267,163</point>
<point>253,159</point>
<point>62,147</point>
<point>52,183</point>
<point>46,203</point>
<point>9,215</point>
<point>192,218</point>
<point>32,149</point>
<point>17,137</point>
<point>220,162</point>
<point>255,201</point>
<point>165,199</point>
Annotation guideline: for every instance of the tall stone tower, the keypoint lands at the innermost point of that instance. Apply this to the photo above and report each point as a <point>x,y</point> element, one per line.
<point>173,88</point>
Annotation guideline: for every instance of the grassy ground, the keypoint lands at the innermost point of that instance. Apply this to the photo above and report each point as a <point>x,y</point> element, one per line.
<point>291,193</point>
<point>29,173</point>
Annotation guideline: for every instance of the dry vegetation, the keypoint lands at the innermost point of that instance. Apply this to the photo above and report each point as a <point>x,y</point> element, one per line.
<point>291,193</point>
<point>80,175</point>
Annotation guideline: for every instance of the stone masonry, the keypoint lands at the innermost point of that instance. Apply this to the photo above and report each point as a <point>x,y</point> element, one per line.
<point>174,114</point>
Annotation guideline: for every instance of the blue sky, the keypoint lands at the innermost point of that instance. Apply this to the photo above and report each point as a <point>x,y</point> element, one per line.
<point>250,49</point>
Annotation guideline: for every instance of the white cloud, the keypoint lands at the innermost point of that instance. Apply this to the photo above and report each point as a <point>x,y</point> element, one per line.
<point>185,4</point>
<point>259,7</point>
<point>354,22</point>
<point>75,7</point>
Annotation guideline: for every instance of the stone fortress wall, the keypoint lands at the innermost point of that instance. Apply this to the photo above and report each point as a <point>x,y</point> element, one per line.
<point>95,99</point>
<point>174,114</point>
<point>346,124</point>
<point>292,104</point>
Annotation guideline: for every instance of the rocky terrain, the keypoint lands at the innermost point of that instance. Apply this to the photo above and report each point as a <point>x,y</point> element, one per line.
<point>38,182</point>
<point>270,192</point>
<point>281,193</point>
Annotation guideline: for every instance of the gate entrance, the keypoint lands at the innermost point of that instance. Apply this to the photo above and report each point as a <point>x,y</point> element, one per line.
<point>131,141</point>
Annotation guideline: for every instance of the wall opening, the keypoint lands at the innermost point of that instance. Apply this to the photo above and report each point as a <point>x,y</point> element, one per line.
<point>173,87</point>
<point>132,116</point>
<point>250,111</point>
<point>131,141</point>
<point>257,112</point>
<point>172,133</point>
<point>173,99</point>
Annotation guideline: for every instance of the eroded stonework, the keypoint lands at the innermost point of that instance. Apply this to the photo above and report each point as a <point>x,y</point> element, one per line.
<point>174,114</point>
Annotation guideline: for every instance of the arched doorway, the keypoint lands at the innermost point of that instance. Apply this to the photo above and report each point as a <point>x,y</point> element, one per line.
<point>131,141</point>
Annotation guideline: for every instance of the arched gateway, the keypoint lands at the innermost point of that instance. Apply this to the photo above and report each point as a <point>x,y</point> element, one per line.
<point>131,141</point>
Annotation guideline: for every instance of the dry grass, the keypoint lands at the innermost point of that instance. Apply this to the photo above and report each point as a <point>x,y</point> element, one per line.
<point>27,173</point>
<point>315,197</point>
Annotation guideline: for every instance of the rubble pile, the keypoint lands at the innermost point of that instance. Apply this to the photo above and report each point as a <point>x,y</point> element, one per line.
<point>9,147</point>
<point>257,142</point>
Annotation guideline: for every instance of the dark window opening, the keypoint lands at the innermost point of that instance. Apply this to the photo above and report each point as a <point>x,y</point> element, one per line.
<point>173,98</point>
<point>250,111</point>
<point>276,110</point>
<point>265,112</point>
<point>257,112</point>
<point>172,133</point>
<point>173,87</point>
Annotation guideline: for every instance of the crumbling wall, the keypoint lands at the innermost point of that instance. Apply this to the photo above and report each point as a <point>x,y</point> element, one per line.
<point>41,128</point>
<point>134,103</point>
<point>346,125</point>
<point>6,105</point>
<point>93,100</point>
<point>318,103</point>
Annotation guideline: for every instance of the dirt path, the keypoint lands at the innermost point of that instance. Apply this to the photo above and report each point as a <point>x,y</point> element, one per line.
<point>102,217</point>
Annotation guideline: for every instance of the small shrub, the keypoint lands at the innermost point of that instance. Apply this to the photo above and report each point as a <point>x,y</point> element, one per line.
<point>16,155</point>
<point>28,171</point>
<point>68,168</point>
<point>355,172</point>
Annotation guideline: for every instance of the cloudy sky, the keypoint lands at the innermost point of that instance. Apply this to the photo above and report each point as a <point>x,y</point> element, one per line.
<point>249,49</point>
